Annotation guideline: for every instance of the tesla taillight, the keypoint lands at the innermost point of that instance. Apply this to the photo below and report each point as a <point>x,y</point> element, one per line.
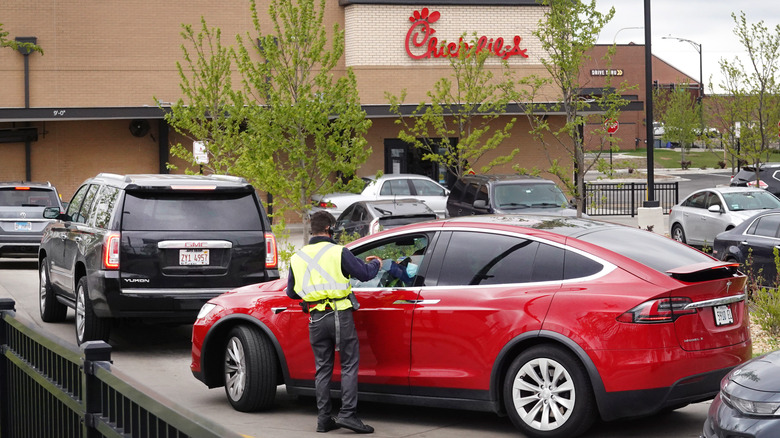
<point>271,254</point>
<point>111,251</point>
<point>658,311</point>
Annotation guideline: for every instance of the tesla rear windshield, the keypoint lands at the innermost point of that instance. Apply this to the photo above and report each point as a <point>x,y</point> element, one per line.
<point>191,212</point>
<point>27,197</point>
<point>648,248</point>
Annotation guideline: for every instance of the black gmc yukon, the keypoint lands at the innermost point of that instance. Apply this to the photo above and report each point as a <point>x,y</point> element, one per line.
<point>151,247</point>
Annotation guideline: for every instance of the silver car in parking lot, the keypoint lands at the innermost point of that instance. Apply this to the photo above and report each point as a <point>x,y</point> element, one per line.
<point>706,213</point>
<point>21,216</point>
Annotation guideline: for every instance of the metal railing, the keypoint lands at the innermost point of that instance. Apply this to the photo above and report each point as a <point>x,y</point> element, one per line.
<point>623,199</point>
<point>50,389</point>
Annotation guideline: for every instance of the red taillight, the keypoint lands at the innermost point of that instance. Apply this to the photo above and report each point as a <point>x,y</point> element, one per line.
<point>759,184</point>
<point>375,227</point>
<point>658,311</point>
<point>271,254</point>
<point>325,204</point>
<point>111,251</point>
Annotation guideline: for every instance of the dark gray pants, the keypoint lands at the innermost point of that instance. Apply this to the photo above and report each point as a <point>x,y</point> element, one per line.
<point>322,335</point>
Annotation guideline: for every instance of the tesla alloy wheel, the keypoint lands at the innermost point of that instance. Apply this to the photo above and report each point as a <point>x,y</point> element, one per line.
<point>250,370</point>
<point>547,394</point>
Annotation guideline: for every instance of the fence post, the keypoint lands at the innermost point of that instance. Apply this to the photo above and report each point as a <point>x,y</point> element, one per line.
<point>633,195</point>
<point>7,306</point>
<point>94,354</point>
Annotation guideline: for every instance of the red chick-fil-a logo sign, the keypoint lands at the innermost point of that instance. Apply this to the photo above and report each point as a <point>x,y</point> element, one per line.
<point>420,36</point>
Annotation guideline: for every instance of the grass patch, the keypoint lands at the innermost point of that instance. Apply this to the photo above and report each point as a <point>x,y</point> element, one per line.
<point>699,158</point>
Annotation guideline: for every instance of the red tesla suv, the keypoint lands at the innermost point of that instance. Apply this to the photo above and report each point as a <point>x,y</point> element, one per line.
<point>554,321</point>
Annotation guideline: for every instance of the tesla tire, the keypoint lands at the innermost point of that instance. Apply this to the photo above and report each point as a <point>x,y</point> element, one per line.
<point>250,370</point>
<point>547,394</point>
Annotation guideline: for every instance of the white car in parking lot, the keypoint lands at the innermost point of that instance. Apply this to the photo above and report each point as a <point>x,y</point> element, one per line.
<point>706,213</point>
<point>391,186</point>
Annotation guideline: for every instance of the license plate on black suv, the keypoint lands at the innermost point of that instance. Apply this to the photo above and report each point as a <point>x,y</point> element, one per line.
<point>193,257</point>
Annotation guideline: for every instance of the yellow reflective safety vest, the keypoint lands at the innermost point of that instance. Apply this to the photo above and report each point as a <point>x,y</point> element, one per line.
<point>318,276</point>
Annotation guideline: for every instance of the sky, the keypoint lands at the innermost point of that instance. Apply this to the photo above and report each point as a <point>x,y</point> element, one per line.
<point>706,22</point>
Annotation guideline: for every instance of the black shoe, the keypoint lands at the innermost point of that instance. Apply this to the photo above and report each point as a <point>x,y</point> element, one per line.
<point>354,424</point>
<point>327,425</point>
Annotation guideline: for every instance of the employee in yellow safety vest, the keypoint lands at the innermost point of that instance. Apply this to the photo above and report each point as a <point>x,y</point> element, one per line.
<point>319,274</point>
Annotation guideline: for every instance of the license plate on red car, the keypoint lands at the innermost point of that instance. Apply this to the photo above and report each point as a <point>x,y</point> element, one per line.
<point>193,257</point>
<point>723,315</point>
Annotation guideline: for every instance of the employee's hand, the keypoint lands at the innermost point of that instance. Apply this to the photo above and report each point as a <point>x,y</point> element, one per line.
<point>369,258</point>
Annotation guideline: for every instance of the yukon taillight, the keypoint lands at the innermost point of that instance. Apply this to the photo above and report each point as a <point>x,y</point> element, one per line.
<point>111,251</point>
<point>658,311</point>
<point>271,254</point>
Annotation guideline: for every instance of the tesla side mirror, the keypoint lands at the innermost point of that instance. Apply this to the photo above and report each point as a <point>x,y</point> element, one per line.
<point>480,203</point>
<point>714,209</point>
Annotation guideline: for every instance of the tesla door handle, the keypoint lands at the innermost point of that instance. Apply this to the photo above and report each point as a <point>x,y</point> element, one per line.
<point>278,310</point>
<point>744,242</point>
<point>416,301</point>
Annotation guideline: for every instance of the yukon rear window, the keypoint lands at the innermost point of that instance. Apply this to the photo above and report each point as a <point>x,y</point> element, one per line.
<point>192,211</point>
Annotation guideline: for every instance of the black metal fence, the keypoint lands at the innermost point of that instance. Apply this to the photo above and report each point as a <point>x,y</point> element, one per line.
<point>50,389</point>
<point>623,199</point>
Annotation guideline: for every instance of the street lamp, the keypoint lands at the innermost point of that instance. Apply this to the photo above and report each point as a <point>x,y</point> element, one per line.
<point>622,29</point>
<point>696,46</point>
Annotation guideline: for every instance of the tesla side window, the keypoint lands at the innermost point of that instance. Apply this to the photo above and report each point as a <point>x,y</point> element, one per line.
<point>483,258</point>
<point>767,226</point>
<point>408,252</point>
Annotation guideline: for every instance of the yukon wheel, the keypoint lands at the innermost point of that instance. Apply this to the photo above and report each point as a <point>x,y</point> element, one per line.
<point>678,234</point>
<point>548,394</point>
<point>89,327</point>
<point>250,370</point>
<point>51,309</point>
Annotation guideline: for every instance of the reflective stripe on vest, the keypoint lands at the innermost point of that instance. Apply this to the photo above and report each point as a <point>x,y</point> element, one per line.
<point>314,282</point>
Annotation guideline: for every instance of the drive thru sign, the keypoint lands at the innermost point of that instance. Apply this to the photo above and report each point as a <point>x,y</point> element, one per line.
<point>611,125</point>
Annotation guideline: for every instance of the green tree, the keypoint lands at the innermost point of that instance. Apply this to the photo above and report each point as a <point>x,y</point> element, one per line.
<point>16,45</point>
<point>567,33</point>
<point>681,117</point>
<point>460,124</point>
<point>211,111</point>
<point>755,90</point>
<point>304,125</point>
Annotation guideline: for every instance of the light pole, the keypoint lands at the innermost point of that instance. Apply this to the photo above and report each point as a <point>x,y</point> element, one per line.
<point>696,46</point>
<point>622,29</point>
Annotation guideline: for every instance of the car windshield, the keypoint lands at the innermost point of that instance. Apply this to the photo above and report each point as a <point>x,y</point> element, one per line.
<point>529,195</point>
<point>650,249</point>
<point>27,197</point>
<point>757,200</point>
<point>190,212</point>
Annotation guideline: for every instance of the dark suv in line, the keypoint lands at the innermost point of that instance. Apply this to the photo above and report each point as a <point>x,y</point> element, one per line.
<point>21,216</point>
<point>507,194</point>
<point>151,247</point>
<point>768,177</point>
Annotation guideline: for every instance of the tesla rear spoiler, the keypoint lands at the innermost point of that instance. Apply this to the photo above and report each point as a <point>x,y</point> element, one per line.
<point>704,271</point>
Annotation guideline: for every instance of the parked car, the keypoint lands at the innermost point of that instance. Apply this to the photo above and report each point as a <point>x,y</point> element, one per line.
<point>706,213</point>
<point>753,240</point>
<point>21,216</point>
<point>153,247</point>
<point>768,177</point>
<point>554,321</point>
<point>748,405</point>
<point>507,194</point>
<point>369,217</point>
<point>390,186</point>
